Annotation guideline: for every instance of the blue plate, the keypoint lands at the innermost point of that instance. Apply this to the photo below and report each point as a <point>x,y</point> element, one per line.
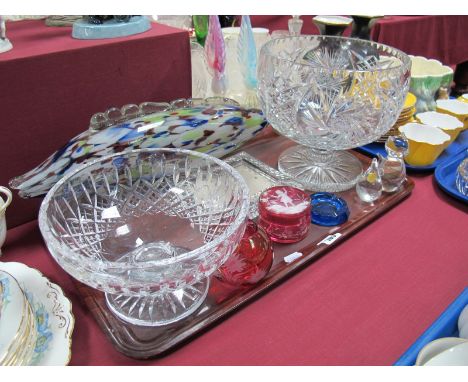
<point>458,145</point>
<point>445,175</point>
<point>445,326</point>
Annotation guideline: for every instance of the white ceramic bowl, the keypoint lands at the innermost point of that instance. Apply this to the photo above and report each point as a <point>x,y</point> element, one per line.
<point>454,107</point>
<point>455,356</point>
<point>463,318</point>
<point>426,143</point>
<point>446,122</point>
<point>463,332</point>
<point>436,347</point>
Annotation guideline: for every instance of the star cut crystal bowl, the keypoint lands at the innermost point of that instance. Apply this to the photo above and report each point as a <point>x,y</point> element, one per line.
<point>147,227</point>
<point>330,94</point>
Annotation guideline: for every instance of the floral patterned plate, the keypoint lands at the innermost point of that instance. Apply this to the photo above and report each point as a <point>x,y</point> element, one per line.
<point>53,311</point>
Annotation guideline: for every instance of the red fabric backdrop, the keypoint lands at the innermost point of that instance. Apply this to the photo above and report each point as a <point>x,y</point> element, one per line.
<point>440,37</point>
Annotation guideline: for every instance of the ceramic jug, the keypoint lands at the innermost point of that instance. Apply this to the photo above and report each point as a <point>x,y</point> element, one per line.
<point>4,203</point>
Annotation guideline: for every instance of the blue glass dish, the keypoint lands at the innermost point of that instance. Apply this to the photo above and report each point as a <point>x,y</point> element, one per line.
<point>328,209</point>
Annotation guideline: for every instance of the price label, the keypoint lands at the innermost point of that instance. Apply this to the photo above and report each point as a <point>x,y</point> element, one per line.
<point>293,256</point>
<point>330,239</point>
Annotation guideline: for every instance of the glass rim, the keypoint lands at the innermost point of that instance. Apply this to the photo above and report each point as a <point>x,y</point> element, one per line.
<point>404,58</point>
<point>62,249</point>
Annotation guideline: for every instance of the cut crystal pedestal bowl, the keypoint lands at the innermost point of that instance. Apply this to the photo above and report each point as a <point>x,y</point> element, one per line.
<point>329,94</point>
<point>148,228</point>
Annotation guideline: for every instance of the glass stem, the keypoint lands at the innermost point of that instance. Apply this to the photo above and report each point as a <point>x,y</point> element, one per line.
<point>320,156</point>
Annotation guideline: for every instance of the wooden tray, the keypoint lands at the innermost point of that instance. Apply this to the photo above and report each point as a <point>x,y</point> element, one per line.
<point>223,300</point>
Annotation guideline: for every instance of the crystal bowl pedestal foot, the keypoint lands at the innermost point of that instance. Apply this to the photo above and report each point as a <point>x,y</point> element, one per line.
<point>160,309</point>
<point>330,171</point>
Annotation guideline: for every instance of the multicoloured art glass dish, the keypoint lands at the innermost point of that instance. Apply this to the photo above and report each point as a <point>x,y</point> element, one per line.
<point>215,126</point>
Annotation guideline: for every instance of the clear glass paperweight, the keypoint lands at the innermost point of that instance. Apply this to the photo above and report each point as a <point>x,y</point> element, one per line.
<point>461,179</point>
<point>393,168</point>
<point>147,227</point>
<point>369,185</point>
<point>330,94</point>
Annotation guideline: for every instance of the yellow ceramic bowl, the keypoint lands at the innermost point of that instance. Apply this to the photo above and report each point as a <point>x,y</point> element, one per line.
<point>463,98</point>
<point>410,101</point>
<point>426,143</point>
<point>448,123</point>
<point>454,107</point>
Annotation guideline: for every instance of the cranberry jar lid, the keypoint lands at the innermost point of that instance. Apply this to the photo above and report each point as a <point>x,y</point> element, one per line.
<point>285,202</point>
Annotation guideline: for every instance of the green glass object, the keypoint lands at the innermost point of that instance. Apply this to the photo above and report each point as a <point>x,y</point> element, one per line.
<point>200,24</point>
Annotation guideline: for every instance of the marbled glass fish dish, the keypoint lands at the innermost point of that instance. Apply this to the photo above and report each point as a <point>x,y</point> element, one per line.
<point>215,126</point>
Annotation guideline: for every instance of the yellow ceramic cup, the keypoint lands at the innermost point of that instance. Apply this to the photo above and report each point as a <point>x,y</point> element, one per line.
<point>456,108</point>
<point>426,143</point>
<point>446,122</point>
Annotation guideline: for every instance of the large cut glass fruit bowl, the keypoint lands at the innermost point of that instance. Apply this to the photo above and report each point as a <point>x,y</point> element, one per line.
<point>329,94</point>
<point>148,227</point>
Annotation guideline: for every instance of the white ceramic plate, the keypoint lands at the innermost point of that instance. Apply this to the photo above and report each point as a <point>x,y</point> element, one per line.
<point>12,310</point>
<point>54,317</point>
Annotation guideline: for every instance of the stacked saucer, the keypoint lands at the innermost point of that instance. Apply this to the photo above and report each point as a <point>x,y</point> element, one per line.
<point>406,116</point>
<point>36,319</point>
<point>18,333</point>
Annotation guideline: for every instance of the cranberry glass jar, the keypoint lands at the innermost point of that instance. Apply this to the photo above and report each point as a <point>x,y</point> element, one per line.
<point>252,259</point>
<point>284,213</point>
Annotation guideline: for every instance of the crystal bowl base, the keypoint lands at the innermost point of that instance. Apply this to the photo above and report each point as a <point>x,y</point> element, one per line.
<point>332,171</point>
<point>161,309</point>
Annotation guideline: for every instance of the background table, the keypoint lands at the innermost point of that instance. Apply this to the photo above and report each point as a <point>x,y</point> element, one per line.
<point>363,303</point>
<point>440,37</point>
<point>51,84</point>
